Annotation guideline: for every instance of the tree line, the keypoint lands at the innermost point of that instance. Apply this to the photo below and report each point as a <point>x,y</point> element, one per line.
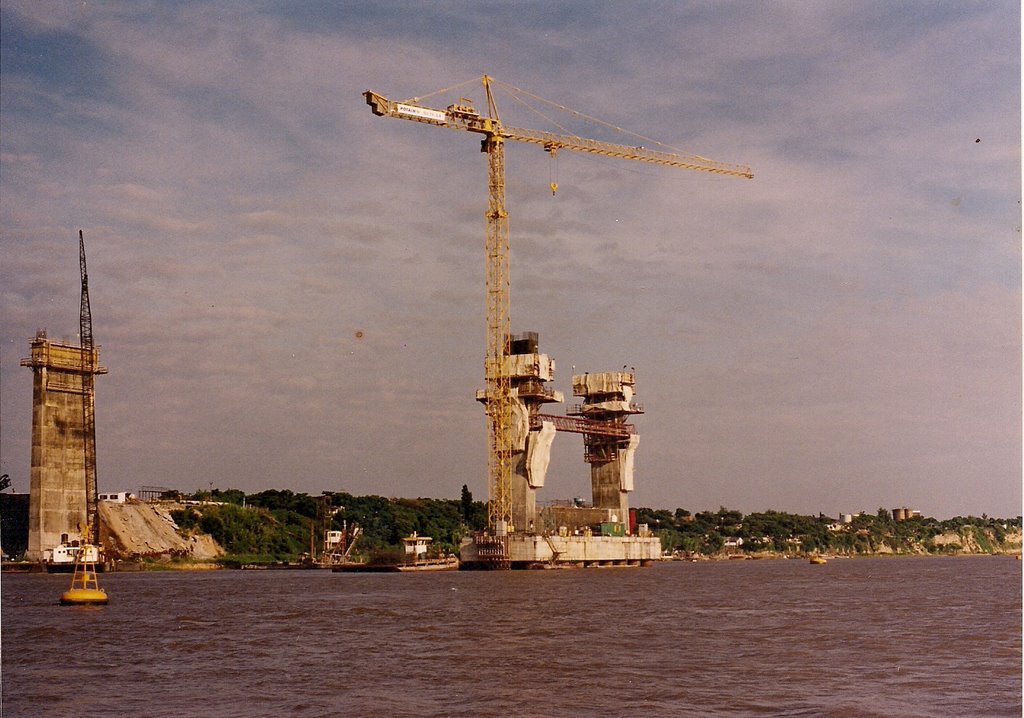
<point>709,532</point>
<point>278,524</point>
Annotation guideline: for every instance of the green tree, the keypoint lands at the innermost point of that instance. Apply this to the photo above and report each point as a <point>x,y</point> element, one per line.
<point>466,503</point>
<point>713,543</point>
<point>231,496</point>
<point>671,540</point>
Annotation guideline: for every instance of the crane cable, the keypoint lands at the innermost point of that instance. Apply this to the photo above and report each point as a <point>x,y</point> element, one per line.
<point>511,91</point>
<point>510,88</point>
<point>416,100</point>
<point>554,170</point>
<point>533,109</point>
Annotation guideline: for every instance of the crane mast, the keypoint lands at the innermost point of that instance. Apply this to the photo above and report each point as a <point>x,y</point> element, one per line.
<point>498,381</point>
<point>88,362</point>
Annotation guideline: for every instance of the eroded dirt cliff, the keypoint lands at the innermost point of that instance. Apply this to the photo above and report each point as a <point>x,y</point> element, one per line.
<point>136,530</point>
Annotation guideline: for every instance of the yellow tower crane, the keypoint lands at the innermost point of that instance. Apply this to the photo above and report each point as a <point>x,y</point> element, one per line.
<point>463,116</point>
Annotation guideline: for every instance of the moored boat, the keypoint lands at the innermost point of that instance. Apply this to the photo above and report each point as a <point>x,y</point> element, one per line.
<point>416,560</point>
<point>63,557</point>
<point>446,563</point>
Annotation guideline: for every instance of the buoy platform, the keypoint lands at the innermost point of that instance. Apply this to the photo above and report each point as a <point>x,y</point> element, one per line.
<point>84,596</point>
<point>85,588</point>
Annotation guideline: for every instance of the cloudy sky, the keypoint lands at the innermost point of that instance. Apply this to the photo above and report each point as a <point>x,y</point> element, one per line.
<point>289,291</point>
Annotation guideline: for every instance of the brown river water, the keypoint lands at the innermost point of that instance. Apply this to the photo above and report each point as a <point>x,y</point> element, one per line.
<point>855,637</point>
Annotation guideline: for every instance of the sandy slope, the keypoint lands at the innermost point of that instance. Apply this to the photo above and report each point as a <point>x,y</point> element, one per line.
<point>136,529</point>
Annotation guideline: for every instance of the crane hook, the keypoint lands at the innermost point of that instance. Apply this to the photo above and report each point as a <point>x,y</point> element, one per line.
<point>553,151</point>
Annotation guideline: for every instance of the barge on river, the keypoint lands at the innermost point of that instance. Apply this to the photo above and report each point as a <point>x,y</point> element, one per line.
<point>416,560</point>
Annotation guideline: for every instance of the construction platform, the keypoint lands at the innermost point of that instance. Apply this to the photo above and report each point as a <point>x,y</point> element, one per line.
<point>602,532</point>
<point>532,551</point>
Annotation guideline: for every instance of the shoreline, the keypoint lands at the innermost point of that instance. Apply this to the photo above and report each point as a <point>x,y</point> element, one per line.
<point>24,567</point>
<point>837,556</point>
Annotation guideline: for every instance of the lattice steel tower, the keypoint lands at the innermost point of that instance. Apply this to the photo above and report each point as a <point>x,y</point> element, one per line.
<point>88,398</point>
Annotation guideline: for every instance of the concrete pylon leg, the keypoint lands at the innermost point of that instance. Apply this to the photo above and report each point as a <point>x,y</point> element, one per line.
<point>608,397</point>
<point>57,491</point>
<point>606,482</point>
<point>529,371</point>
<point>524,496</point>
<point>529,474</point>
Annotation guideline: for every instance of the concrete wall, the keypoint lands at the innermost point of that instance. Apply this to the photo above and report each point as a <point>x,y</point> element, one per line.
<point>584,549</point>
<point>573,518</point>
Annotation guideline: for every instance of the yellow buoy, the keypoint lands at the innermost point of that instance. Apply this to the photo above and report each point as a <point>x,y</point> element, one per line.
<point>84,596</point>
<point>85,588</point>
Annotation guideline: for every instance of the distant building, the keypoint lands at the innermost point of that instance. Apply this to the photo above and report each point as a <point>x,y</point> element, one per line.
<point>903,513</point>
<point>118,497</point>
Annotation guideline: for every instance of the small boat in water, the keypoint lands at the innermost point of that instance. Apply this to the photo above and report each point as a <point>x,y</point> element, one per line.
<point>817,560</point>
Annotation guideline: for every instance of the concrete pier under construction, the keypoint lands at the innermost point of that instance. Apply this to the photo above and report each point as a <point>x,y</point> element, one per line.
<point>57,494</point>
<point>567,534</point>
